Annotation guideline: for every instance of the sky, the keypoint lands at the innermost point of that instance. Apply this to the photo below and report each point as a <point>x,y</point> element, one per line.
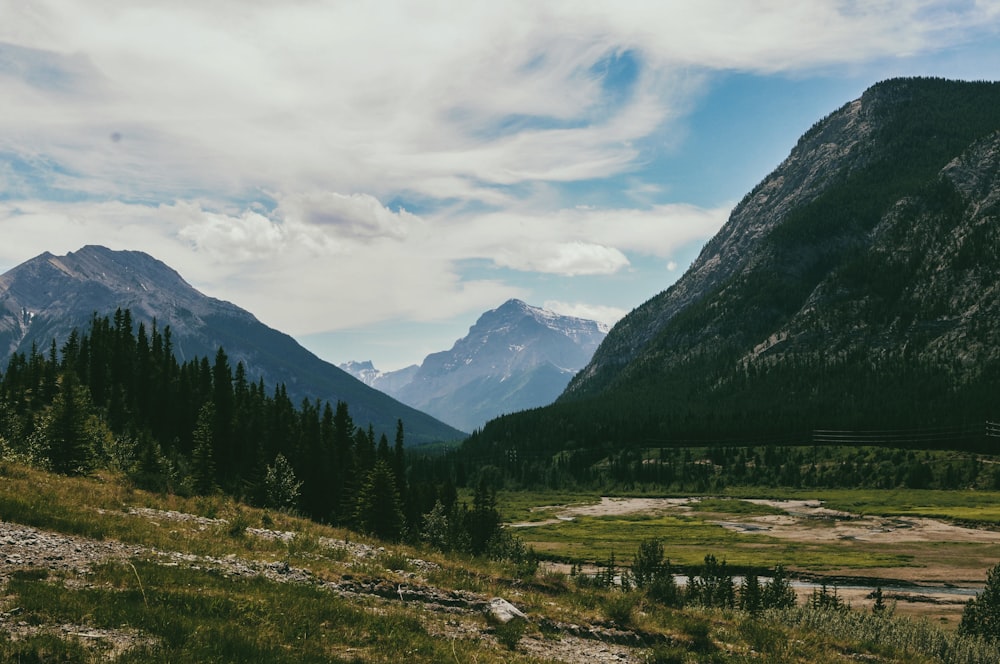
<point>370,177</point>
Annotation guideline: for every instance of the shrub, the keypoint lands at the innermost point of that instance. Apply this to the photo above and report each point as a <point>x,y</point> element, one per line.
<point>647,564</point>
<point>620,608</point>
<point>698,630</point>
<point>510,633</point>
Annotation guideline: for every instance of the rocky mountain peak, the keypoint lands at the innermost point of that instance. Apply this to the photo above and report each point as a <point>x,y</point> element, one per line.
<point>514,357</point>
<point>48,296</point>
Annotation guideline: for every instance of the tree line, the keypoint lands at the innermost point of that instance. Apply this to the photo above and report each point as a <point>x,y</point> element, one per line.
<point>115,396</point>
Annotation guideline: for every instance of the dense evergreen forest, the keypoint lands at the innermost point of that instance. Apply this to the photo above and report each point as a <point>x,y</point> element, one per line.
<point>837,460</point>
<point>114,396</point>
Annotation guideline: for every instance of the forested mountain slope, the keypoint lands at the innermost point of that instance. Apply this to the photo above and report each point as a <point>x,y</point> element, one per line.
<point>45,298</point>
<point>854,288</point>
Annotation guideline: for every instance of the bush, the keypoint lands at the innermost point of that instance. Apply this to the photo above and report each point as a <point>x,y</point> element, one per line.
<point>510,633</point>
<point>647,564</point>
<point>698,630</point>
<point>620,608</point>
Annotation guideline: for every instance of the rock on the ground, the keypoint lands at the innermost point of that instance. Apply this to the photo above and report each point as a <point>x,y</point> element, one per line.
<point>503,611</point>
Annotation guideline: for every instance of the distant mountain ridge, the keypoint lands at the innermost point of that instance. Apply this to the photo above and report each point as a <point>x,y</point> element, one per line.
<point>854,288</point>
<point>46,297</point>
<point>515,357</point>
<point>386,381</point>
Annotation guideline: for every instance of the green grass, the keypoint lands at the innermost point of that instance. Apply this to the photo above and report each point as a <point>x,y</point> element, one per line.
<point>202,616</point>
<point>518,506</point>
<point>197,612</point>
<point>734,507</point>
<point>688,535</point>
<point>687,539</point>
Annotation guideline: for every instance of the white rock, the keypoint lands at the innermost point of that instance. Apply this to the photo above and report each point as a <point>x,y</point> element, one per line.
<point>503,611</point>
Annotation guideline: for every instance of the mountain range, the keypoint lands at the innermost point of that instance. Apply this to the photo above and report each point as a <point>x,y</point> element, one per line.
<point>514,357</point>
<point>854,288</point>
<point>46,297</point>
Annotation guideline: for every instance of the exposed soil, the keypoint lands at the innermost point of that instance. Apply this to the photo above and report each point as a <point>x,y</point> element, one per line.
<point>609,506</point>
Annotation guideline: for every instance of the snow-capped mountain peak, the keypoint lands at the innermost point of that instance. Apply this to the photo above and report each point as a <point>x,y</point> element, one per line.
<point>514,357</point>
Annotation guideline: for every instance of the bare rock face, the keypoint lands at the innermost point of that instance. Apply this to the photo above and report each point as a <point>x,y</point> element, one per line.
<point>515,357</point>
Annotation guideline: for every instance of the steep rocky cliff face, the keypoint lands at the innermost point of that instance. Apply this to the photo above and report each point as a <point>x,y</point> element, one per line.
<point>878,235</point>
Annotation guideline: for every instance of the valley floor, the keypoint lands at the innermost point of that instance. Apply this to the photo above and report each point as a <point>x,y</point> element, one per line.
<point>936,585</point>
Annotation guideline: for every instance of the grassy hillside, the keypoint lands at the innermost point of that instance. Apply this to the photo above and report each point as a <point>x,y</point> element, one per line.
<point>92,569</point>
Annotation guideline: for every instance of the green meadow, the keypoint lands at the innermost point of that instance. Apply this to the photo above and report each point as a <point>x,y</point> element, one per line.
<point>689,534</point>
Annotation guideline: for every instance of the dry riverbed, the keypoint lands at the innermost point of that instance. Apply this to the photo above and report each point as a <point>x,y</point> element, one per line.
<point>936,587</point>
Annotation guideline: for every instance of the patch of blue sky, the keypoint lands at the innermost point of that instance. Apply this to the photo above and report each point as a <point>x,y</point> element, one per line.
<point>618,72</point>
<point>421,205</point>
<point>740,130</point>
<point>39,177</point>
<point>46,70</point>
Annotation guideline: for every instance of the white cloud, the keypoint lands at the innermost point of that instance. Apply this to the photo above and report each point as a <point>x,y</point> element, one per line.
<point>327,113</point>
<point>392,97</point>
<point>567,258</point>
<point>323,261</point>
<point>583,240</point>
<point>601,313</point>
<point>359,216</point>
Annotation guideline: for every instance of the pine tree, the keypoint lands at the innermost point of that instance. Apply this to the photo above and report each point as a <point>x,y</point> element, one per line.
<point>202,457</point>
<point>224,444</point>
<point>382,451</point>
<point>778,593</point>
<point>647,562</point>
<point>65,431</point>
<point>281,488</point>
<point>378,509</point>
<point>878,607</point>
<point>751,595</point>
<point>398,459</point>
<point>484,521</point>
<point>345,465</point>
<point>982,613</point>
